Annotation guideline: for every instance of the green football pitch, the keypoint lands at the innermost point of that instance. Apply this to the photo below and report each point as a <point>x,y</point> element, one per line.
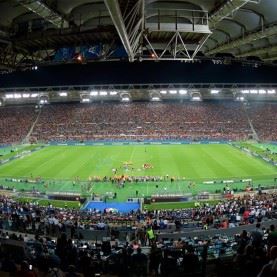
<point>193,162</point>
<point>60,165</point>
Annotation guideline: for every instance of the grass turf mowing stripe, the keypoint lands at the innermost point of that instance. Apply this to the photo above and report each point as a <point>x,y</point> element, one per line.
<point>46,202</point>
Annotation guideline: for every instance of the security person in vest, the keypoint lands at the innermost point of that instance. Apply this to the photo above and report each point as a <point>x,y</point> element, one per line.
<point>150,235</point>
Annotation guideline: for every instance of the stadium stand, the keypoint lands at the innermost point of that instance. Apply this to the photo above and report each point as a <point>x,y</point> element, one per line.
<point>142,121</point>
<point>15,123</point>
<point>137,75</point>
<point>109,121</point>
<point>264,120</point>
<point>50,239</point>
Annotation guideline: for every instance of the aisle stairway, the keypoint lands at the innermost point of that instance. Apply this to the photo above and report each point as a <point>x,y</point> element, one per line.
<point>254,133</point>
<point>27,138</point>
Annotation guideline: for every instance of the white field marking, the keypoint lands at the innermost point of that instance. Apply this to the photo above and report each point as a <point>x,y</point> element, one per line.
<point>179,189</point>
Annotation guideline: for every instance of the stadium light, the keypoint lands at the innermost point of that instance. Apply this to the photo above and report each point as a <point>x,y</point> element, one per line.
<point>173,91</point>
<point>196,98</point>
<point>9,96</point>
<point>19,95</point>
<point>112,93</point>
<point>34,95</point>
<point>183,92</point>
<point>125,99</point>
<point>253,91</point>
<point>103,93</point>
<point>262,91</point>
<point>94,93</point>
<point>85,100</point>
<point>240,98</point>
<point>43,101</point>
<point>271,91</point>
<point>163,92</point>
<point>79,58</point>
<point>155,99</point>
<point>245,91</point>
<point>214,91</point>
<point>63,94</point>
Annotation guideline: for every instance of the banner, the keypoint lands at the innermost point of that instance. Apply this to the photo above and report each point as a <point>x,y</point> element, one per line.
<point>64,54</point>
<point>124,142</point>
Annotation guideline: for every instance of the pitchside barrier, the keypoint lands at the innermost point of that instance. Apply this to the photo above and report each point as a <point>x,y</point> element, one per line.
<point>130,142</point>
<point>46,187</point>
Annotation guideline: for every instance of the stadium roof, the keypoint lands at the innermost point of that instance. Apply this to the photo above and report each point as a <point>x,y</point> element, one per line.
<point>34,32</point>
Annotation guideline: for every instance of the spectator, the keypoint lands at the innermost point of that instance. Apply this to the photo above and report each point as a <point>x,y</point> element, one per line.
<point>270,269</point>
<point>139,262</point>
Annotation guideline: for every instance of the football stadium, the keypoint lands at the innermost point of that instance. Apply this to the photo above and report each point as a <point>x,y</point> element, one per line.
<point>138,138</point>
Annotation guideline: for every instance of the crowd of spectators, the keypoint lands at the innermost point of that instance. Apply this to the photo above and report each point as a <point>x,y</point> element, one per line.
<point>53,237</point>
<point>52,249</point>
<point>263,117</point>
<point>142,121</point>
<point>139,121</point>
<point>15,123</point>
<point>30,217</point>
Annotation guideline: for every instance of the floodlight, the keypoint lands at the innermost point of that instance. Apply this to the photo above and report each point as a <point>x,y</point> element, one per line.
<point>63,94</point>
<point>196,98</point>
<point>125,99</point>
<point>253,91</point>
<point>155,98</point>
<point>240,98</point>
<point>103,93</point>
<point>173,91</point>
<point>9,96</point>
<point>79,58</point>
<point>163,92</point>
<point>34,95</point>
<point>262,91</point>
<point>94,93</point>
<point>26,95</point>
<point>214,91</point>
<point>245,91</point>
<point>43,101</point>
<point>85,100</point>
<point>271,91</point>
<point>17,96</point>
<point>113,92</point>
<point>183,91</point>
